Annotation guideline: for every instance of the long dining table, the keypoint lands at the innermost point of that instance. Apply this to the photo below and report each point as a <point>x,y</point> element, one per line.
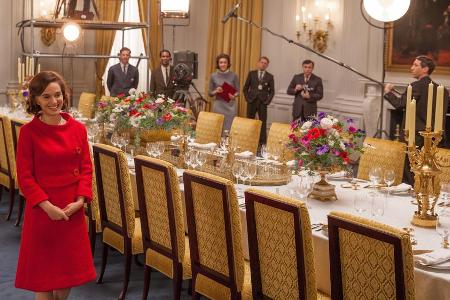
<point>398,211</point>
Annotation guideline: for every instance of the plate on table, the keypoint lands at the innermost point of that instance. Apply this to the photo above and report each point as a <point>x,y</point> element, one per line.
<point>442,266</point>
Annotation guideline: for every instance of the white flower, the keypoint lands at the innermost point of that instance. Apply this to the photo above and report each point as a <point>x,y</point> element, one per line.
<point>135,121</point>
<point>170,100</point>
<point>159,100</point>
<point>326,123</point>
<point>117,109</point>
<point>132,92</point>
<point>342,145</point>
<point>112,118</point>
<point>306,125</point>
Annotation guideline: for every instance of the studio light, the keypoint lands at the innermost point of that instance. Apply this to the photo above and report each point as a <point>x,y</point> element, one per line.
<point>175,8</point>
<point>71,31</point>
<point>386,10</point>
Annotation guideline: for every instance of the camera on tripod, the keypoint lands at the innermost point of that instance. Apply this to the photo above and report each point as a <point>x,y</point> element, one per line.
<point>185,69</point>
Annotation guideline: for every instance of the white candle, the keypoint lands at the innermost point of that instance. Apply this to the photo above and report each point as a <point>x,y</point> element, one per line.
<point>412,127</point>
<point>439,111</point>
<point>22,73</point>
<point>27,66</point>
<point>303,14</point>
<point>32,66</point>
<point>408,103</point>
<point>18,69</point>
<point>39,68</point>
<point>429,105</point>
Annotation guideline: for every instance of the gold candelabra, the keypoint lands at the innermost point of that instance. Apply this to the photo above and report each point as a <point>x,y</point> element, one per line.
<point>426,170</point>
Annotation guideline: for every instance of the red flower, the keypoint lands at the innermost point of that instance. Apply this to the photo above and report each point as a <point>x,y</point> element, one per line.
<point>344,156</point>
<point>147,106</point>
<point>167,117</point>
<point>121,95</point>
<point>134,112</point>
<point>139,100</point>
<point>314,133</point>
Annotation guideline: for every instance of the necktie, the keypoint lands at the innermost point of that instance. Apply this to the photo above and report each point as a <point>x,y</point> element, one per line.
<point>167,76</point>
<point>260,76</point>
<point>125,69</point>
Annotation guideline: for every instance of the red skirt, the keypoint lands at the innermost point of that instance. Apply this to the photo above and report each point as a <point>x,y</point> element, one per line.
<point>54,254</point>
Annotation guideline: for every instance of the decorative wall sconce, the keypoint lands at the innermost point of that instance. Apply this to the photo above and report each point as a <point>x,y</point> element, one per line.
<point>313,22</point>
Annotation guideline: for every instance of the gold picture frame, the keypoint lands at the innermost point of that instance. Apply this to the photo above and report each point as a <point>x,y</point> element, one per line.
<point>423,30</point>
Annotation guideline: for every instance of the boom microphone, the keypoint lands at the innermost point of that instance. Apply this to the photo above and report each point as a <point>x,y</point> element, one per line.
<point>231,13</point>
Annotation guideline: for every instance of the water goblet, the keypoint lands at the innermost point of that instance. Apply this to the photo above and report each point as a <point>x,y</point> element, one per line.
<point>377,204</point>
<point>360,203</point>
<point>125,139</point>
<point>252,170</point>
<point>187,159</point>
<point>194,159</point>
<point>201,158</point>
<point>115,139</point>
<point>389,177</point>
<point>445,193</point>
<point>236,170</point>
<point>375,176</point>
<point>443,226</point>
<point>92,131</point>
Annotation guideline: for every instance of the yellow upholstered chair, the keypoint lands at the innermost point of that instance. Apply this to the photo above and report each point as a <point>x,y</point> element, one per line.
<point>369,260</point>
<point>209,128</point>
<point>105,98</point>
<point>165,246</point>
<point>385,154</point>
<point>13,138</point>
<point>86,104</point>
<point>245,134</point>
<point>7,162</point>
<point>280,246</point>
<point>120,228</point>
<point>443,157</point>
<point>279,132</point>
<point>92,215</point>
<point>214,226</point>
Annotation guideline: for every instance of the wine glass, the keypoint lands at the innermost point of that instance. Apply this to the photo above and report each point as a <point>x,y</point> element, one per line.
<point>445,192</point>
<point>236,170</point>
<point>150,148</point>
<point>115,139</point>
<point>375,176</point>
<point>275,153</point>
<point>92,131</point>
<point>360,203</point>
<point>187,159</point>
<point>194,159</point>
<point>252,170</point>
<point>125,136</point>
<point>377,204</point>
<point>201,158</point>
<point>264,152</point>
<point>244,175</point>
<point>443,226</point>
<point>389,177</point>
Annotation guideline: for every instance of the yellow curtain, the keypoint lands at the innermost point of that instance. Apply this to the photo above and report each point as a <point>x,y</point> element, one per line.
<point>109,10</point>
<point>236,38</point>
<point>155,29</point>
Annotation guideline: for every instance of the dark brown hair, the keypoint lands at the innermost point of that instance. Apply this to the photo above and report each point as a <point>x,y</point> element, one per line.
<point>307,62</point>
<point>425,61</point>
<point>223,55</point>
<point>164,50</point>
<point>264,57</point>
<point>38,85</point>
<point>124,49</point>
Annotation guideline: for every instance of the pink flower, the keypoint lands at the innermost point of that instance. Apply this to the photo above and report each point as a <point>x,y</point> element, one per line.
<point>306,139</point>
<point>351,129</point>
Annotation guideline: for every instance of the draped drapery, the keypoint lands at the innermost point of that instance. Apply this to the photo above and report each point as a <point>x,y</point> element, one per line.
<point>155,30</point>
<point>109,10</point>
<point>238,39</point>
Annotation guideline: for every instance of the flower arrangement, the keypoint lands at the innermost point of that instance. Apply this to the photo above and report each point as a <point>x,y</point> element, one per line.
<point>325,142</point>
<point>141,112</point>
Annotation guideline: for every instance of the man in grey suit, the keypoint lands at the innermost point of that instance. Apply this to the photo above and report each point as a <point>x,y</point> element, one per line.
<point>122,76</point>
<point>307,89</point>
<point>162,76</point>
<point>258,91</point>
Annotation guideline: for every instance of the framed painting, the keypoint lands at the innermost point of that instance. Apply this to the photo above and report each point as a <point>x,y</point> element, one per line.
<point>423,30</point>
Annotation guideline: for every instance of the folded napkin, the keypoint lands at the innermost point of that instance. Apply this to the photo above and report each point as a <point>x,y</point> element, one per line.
<point>207,146</point>
<point>245,154</point>
<point>175,138</point>
<point>336,175</point>
<point>402,187</point>
<point>433,258</point>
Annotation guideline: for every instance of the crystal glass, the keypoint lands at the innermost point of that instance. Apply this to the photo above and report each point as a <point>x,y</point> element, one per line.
<point>445,193</point>
<point>443,226</point>
<point>252,170</point>
<point>115,139</point>
<point>360,203</point>
<point>187,159</point>
<point>237,170</point>
<point>125,139</point>
<point>264,152</point>
<point>201,158</point>
<point>194,159</point>
<point>389,178</point>
<point>92,131</point>
<point>375,176</point>
<point>275,153</point>
<point>377,201</point>
<point>150,148</point>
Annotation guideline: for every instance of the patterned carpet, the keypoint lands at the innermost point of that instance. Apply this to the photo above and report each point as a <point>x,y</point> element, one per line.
<point>160,286</point>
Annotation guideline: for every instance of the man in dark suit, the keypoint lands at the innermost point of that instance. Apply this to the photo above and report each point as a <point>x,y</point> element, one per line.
<point>162,76</point>
<point>421,70</point>
<point>122,76</point>
<point>307,89</point>
<point>259,91</point>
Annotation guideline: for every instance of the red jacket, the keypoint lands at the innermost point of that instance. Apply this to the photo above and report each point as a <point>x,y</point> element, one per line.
<point>51,156</point>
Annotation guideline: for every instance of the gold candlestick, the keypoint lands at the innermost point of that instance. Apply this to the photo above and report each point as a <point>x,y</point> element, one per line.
<point>426,178</point>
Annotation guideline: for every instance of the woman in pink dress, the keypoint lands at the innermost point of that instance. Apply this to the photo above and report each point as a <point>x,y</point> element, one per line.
<point>55,175</point>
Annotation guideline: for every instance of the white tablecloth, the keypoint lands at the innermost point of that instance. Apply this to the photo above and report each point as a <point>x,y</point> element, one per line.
<point>429,283</point>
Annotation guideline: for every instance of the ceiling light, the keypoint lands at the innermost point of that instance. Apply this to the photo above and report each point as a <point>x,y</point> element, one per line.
<point>386,10</point>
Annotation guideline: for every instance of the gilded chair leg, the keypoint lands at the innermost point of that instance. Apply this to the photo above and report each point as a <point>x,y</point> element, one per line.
<point>92,235</point>
<point>177,281</point>
<point>126,278</point>
<point>20,212</point>
<point>104,259</point>
<point>147,275</point>
<point>12,193</point>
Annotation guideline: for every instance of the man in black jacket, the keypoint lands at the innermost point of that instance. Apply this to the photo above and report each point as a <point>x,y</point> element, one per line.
<point>307,89</point>
<point>122,76</point>
<point>258,91</point>
<point>421,70</point>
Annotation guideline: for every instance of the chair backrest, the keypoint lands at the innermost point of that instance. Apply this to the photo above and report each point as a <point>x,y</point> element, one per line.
<point>443,157</point>
<point>369,260</point>
<point>279,132</point>
<point>214,228</point>
<point>16,124</point>
<point>245,133</point>
<point>94,207</point>
<point>114,190</point>
<point>160,207</point>
<point>86,104</point>
<point>209,128</point>
<point>6,146</point>
<point>385,154</point>
<point>280,246</point>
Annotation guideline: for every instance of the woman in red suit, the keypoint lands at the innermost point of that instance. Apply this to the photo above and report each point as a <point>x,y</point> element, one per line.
<point>55,175</point>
